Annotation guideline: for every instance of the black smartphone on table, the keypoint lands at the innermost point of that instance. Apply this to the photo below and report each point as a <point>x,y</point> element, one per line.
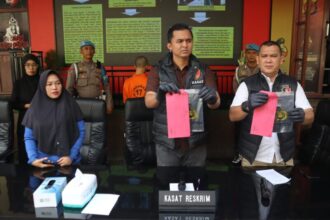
<point>50,162</point>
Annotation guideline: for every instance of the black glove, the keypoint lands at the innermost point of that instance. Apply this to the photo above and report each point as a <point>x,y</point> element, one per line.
<point>297,115</point>
<point>208,95</point>
<point>165,87</point>
<point>255,100</point>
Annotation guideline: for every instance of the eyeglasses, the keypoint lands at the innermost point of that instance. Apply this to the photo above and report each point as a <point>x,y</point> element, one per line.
<point>31,65</point>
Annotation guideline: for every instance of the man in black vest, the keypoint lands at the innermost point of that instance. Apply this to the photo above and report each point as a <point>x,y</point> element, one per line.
<point>179,70</point>
<point>278,149</point>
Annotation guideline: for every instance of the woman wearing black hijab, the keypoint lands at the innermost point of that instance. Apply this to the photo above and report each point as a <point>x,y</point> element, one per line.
<point>54,128</point>
<point>22,95</point>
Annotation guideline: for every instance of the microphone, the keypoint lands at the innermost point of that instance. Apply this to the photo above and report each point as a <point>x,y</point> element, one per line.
<point>182,182</point>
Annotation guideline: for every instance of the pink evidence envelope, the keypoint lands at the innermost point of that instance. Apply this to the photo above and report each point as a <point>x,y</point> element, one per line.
<point>264,116</point>
<point>177,108</point>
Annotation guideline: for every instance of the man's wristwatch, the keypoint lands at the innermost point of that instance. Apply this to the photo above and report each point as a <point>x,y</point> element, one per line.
<point>245,107</point>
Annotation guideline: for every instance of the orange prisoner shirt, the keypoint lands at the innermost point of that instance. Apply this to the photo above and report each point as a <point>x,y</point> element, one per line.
<point>135,86</point>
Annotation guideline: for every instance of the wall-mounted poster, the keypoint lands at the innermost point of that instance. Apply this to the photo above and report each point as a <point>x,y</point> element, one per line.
<point>201,5</point>
<point>131,3</point>
<point>124,29</point>
<point>82,22</point>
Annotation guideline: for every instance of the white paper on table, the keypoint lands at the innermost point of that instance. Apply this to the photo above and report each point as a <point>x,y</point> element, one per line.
<point>175,187</point>
<point>272,176</point>
<point>101,204</point>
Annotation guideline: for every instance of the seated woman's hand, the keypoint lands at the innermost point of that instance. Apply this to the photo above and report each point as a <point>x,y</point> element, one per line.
<point>64,161</point>
<point>39,163</point>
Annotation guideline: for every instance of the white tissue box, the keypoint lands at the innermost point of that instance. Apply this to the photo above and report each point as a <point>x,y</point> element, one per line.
<point>49,195</point>
<point>79,190</point>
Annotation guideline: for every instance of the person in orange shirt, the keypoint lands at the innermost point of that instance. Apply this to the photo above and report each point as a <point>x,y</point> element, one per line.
<point>135,86</point>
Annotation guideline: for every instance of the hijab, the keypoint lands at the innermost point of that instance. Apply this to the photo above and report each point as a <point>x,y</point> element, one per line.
<point>53,121</point>
<point>31,82</point>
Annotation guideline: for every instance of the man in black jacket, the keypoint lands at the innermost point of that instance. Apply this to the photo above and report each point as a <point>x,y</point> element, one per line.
<point>279,148</point>
<point>179,70</point>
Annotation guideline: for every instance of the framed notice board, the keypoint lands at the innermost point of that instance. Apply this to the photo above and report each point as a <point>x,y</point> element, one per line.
<point>122,30</point>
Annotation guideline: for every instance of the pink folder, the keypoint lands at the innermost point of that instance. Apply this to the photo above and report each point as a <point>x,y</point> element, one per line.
<point>178,122</point>
<point>264,116</point>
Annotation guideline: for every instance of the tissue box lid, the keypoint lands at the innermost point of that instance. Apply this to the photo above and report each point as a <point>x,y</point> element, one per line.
<point>78,185</point>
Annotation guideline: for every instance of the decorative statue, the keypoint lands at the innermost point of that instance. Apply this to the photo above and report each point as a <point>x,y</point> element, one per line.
<point>12,31</point>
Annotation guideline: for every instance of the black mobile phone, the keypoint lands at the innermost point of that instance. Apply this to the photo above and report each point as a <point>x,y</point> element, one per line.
<point>49,162</point>
<point>50,184</point>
